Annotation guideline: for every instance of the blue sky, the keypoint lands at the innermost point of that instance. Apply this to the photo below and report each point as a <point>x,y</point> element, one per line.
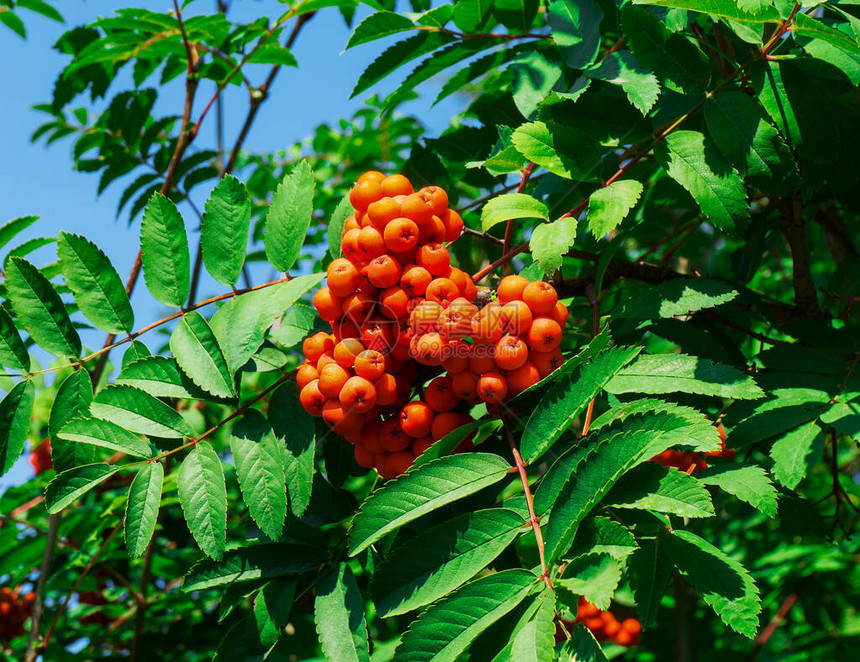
<point>39,180</point>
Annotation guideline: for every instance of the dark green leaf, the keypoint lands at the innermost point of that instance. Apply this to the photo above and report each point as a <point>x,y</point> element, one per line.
<point>749,484</point>
<point>198,353</point>
<point>663,490</point>
<point>294,428</point>
<point>141,512</point>
<point>15,410</point>
<point>159,376</point>
<point>339,617</point>
<point>289,218</point>
<point>105,434</point>
<point>678,297</point>
<point>379,25</point>
<point>650,570</point>
<point>73,400</point>
<point>13,352</point>
<point>593,576</point>
<point>575,26</point>
<point>639,84</point>
<point>224,231</point>
<point>335,226</point>
<point>608,206</point>
<point>70,485</point>
<point>203,496</point>
<point>139,412</point>
<point>164,248</point>
<point>795,452</point>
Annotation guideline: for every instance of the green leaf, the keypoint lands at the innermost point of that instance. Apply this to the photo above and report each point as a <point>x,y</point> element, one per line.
<point>139,412</point>
<point>680,373</point>
<point>795,453</point>
<point>141,511</point>
<point>339,617</point>
<point>420,491</point>
<point>42,8</point>
<point>593,576</point>
<point>535,641</point>
<point>677,63</point>
<point>444,630</point>
<point>534,78</point>
<point>724,583</point>
<point>749,484</point>
<point>750,142</point>
<point>15,410</point>
<point>73,399</point>
<point>447,444</point>
<point>10,230</point>
<point>691,160</point>
<point>160,376</point>
<point>164,251</point>
<point>608,206</point>
<point>296,325</point>
<point>512,206</point>
<point>294,428</point>
<point>104,434</point>
<point>289,218</point>
<point>98,289</point>
<point>551,241</point>
<point>723,8</point>
<point>335,226</point>
<point>379,25</point>
<point>14,23</point>
<point>68,486</point>
<point>663,490</point>
<point>601,535</point>
<point>563,151</point>
<point>224,231</point>
<point>203,496</point>
<point>40,309</point>
<point>272,608</point>
<point>582,647</point>
<point>13,352</point>
<point>806,26</point>
<point>639,84</point>
<point>136,350</point>
<point>252,563</point>
<point>568,398</point>
<point>676,298</point>
<point>575,27</point>
<point>471,15</point>
<point>273,53</point>
<point>438,560</point>
<point>259,458</point>
<point>197,352</point>
<point>650,570</point>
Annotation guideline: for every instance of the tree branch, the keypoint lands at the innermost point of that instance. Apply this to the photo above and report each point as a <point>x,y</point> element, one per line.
<point>794,228</point>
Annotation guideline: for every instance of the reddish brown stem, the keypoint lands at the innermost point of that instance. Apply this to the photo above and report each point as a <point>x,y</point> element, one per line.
<point>509,228</point>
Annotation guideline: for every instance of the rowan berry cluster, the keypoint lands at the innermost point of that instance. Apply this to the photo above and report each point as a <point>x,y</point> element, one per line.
<point>606,627</point>
<point>401,314</point>
<point>40,457</point>
<point>14,611</point>
<point>690,462</point>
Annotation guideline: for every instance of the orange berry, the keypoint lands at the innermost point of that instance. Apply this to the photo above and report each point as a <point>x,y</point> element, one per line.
<point>492,387</point>
<point>559,314</point>
<point>415,280</point>
<point>427,348</point>
<point>401,234</point>
<point>386,389</point>
<point>432,232</point>
<point>346,351</point>
<point>442,290</point>
<point>434,257</point>
<point>453,224</point>
<point>396,185</point>
<point>370,437</point>
<point>383,211</point>
<point>424,317</point>
<point>384,272</point>
<point>421,445</point>
<point>369,364</point>
<point>440,394</point>
<point>487,326</point>
<point>511,288</point>
<point>364,458</point>
<point>464,283</point>
<point>436,198</point>
<point>516,317</point>
<point>631,625</point>
<point>392,437</point>
<point>511,353</point>
<point>523,377</point>
<point>306,373</point>
<point>324,360</point>
<point>624,638</point>
<point>316,345</point>
<point>456,357</point>
<point>378,334</point>
<point>415,207</point>
<point>394,302</point>
<point>312,399</point>
<point>333,413</point>
<point>370,176</point>
<point>342,277</point>
<point>344,328</point>
<point>358,306</point>
<point>370,243</point>
<point>349,245</point>
<point>447,422</point>
<point>332,378</point>
<point>483,362</point>
<point>364,193</point>
<point>465,385</point>
<point>350,224</point>
<point>329,306</point>
<point>416,419</point>
<point>541,297</point>
<point>406,257</point>
<point>544,334</point>
<point>398,463</point>
<point>546,362</point>
<point>455,322</point>
<point>357,395</point>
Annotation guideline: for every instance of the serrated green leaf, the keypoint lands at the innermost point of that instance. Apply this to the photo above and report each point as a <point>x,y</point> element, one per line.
<point>295,326</point>
<point>534,78</point>
<point>442,558</point>
<point>551,241</point>
<point>379,25</point>
<point>335,226</point>
<point>593,576</point>
<point>160,376</point>
<point>608,206</point>
<point>563,151</point>
<point>141,511</point>
<point>749,484</point>
<point>139,412</point>
<point>68,486</point>
<point>724,583</point>
<point>444,630</point>
<point>339,617</point>
<point>15,410</point>
<point>568,398</point>
<point>11,229</point>
<point>13,352</point>
<point>203,496</point>
<point>575,27</point>
<point>639,84</point>
<point>104,434</point>
<point>601,535</point>
<point>680,373</point>
<point>98,289</point>
<point>40,309</point>
<point>650,571</point>
<point>164,252</point>
<point>795,452</point>
<point>512,206</point>
<point>447,444</point>
<point>198,353</point>
<point>535,641</point>
<point>272,608</point>
<point>73,399</point>
<point>582,647</point>
<point>253,562</point>
<point>259,459</point>
<point>806,26</point>
<point>723,8</point>
<point>420,491</point>
<point>294,428</point>
<point>678,297</point>
<point>136,350</point>
<point>663,490</point>
<point>224,230</point>
<point>289,217</point>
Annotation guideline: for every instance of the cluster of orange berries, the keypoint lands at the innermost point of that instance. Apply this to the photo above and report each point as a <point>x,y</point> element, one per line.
<point>14,611</point>
<point>40,457</point>
<point>605,626</point>
<point>395,303</point>
<point>691,462</point>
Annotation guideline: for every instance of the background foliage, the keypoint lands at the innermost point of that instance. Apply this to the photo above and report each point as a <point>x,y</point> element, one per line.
<point>685,178</point>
